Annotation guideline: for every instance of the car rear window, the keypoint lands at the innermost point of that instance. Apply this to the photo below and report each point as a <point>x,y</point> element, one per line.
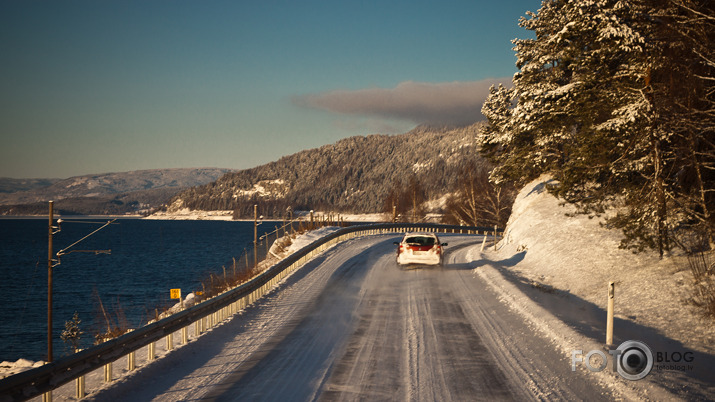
<point>420,240</point>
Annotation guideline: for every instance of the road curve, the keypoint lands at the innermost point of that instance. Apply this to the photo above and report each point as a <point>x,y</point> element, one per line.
<point>352,325</point>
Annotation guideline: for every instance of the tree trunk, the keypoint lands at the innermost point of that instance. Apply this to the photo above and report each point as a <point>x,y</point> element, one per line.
<point>661,207</point>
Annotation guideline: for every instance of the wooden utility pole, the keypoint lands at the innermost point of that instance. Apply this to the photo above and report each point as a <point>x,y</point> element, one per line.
<point>49,282</point>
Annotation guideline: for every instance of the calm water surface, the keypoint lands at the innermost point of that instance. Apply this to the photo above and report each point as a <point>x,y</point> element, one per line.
<point>147,259</point>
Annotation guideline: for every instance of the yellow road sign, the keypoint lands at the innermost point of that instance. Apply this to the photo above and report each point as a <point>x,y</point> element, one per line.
<point>175,293</point>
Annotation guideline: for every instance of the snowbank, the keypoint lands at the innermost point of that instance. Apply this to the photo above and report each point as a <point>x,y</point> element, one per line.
<point>298,241</point>
<point>9,368</point>
<point>577,257</point>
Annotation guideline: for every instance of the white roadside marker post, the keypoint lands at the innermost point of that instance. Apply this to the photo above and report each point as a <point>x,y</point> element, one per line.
<point>609,318</point>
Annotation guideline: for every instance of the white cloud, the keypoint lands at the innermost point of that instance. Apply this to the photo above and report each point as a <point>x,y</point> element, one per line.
<point>434,103</point>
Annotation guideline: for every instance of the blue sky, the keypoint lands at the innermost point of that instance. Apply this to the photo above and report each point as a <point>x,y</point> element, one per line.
<point>106,86</point>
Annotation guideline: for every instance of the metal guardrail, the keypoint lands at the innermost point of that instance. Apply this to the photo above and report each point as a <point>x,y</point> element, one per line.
<point>40,380</point>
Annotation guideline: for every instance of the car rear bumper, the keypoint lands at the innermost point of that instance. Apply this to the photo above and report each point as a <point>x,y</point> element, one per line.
<point>427,259</point>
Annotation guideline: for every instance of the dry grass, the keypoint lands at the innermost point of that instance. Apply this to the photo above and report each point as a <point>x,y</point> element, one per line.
<point>113,322</point>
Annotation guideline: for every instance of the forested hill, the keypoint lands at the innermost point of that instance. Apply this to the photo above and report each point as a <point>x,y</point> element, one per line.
<point>353,175</point>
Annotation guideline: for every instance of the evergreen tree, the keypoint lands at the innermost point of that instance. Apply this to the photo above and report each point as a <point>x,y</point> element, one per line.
<point>687,34</point>
<point>591,109</point>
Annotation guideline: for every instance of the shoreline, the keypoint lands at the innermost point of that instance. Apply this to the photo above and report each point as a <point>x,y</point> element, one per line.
<point>226,216</point>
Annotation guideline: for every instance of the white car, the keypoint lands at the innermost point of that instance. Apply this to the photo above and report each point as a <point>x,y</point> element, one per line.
<point>420,248</point>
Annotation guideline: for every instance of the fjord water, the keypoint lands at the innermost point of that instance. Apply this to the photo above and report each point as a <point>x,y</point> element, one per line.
<point>148,258</point>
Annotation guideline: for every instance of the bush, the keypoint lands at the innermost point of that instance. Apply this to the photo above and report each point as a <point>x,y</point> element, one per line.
<point>72,333</point>
<point>702,267</point>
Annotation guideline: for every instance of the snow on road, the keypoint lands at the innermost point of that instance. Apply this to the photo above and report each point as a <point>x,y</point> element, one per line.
<point>352,325</point>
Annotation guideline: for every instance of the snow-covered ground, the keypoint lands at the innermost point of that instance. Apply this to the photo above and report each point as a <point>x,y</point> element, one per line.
<point>187,214</point>
<point>196,215</point>
<point>575,255</point>
<point>555,270</point>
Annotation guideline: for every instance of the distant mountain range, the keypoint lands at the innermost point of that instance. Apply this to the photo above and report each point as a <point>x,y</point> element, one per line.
<point>101,194</point>
<point>353,175</point>
<point>8,186</point>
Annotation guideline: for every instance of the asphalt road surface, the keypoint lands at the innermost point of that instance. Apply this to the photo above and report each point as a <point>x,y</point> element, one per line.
<point>353,325</point>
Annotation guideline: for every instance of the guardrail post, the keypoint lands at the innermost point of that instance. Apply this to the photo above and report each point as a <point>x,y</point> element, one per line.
<point>108,372</point>
<point>170,342</point>
<point>184,335</point>
<point>47,396</point>
<point>151,355</point>
<point>131,361</point>
<point>79,387</point>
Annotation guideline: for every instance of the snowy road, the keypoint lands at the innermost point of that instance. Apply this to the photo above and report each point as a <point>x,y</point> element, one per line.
<point>352,325</point>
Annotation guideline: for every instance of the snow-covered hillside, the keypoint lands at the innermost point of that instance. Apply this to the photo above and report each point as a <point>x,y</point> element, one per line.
<point>575,256</point>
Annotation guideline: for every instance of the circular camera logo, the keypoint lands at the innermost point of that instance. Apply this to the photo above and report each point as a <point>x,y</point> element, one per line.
<point>634,361</point>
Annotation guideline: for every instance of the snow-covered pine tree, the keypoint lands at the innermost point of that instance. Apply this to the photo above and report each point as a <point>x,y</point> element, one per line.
<point>586,113</point>
<point>496,140</point>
